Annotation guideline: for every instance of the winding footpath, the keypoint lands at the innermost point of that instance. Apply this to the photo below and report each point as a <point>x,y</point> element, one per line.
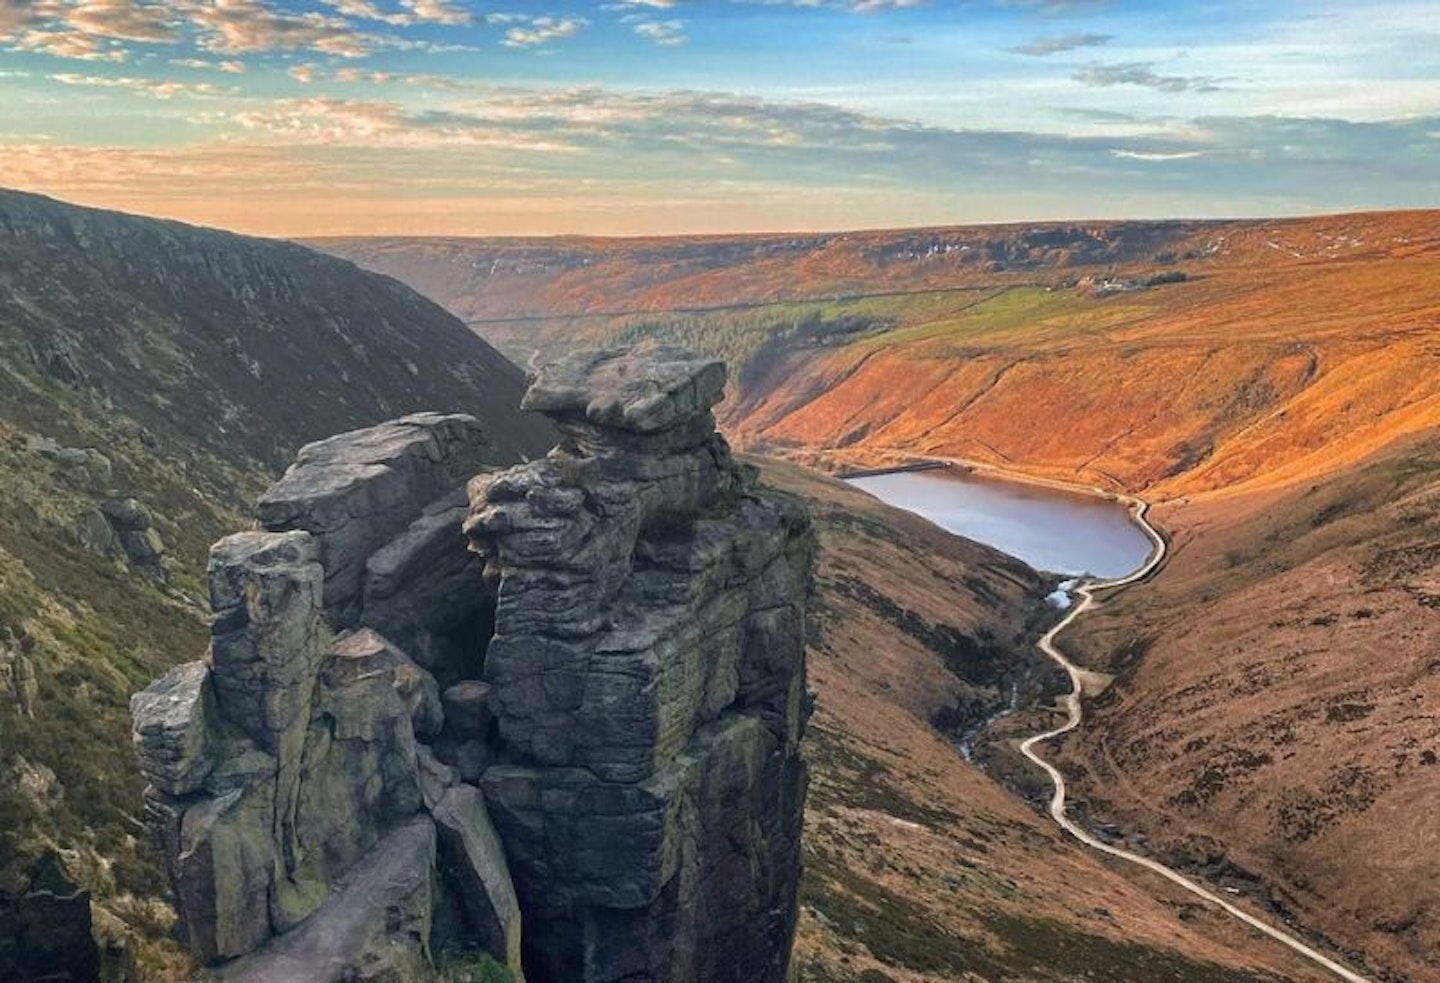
<point>1074,715</point>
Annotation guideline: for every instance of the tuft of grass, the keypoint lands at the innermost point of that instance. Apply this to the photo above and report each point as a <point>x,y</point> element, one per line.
<point>473,967</point>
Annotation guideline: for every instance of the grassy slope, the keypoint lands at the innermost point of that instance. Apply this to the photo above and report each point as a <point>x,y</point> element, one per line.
<point>197,362</point>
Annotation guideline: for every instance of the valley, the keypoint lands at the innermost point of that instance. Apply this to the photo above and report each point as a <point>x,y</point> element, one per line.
<point>758,491</point>
<point>1271,386</point>
<point>920,868</point>
<point>1271,702</point>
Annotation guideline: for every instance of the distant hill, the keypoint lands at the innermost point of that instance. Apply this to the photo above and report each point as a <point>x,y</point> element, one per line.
<point>497,278</point>
<point>179,368</point>
<point>1183,356</point>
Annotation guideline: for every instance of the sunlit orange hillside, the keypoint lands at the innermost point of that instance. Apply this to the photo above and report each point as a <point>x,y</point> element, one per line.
<point>1174,357</point>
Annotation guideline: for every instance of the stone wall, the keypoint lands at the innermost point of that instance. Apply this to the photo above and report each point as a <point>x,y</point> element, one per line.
<point>582,713</point>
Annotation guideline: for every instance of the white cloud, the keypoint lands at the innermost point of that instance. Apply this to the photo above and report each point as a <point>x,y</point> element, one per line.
<point>437,11</point>
<point>1053,44</point>
<point>156,88</point>
<point>125,20</point>
<point>1143,74</point>
<point>411,12</point>
<point>1155,155</point>
<point>69,44</point>
<point>231,65</point>
<point>542,30</point>
<point>242,26</point>
<point>669,33</point>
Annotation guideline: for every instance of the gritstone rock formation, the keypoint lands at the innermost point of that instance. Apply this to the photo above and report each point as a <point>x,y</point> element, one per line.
<point>573,701</point>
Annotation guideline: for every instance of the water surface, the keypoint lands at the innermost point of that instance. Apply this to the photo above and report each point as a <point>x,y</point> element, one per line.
<point>1062,532</point>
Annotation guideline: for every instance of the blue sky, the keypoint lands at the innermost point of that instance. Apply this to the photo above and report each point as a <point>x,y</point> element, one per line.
<point>296,117</point>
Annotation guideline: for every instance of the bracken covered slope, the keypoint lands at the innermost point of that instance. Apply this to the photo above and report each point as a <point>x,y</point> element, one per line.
<point>153,379</point>
<point>918,867</point>
<point>1174,356</point>
<point>1277,718</point>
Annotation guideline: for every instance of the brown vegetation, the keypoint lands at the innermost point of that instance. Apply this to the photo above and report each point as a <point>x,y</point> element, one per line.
<point>919,867</point>
<point>1282,726</point>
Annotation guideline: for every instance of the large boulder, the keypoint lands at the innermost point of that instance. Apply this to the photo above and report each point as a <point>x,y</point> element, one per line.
<point>664,389</point>
<point>356,491</point>
<point>175,727</point>
<point>373,929</point>
<point>475,869</point>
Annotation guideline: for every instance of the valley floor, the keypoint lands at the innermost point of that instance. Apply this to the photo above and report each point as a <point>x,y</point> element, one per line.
<point>919,866</point>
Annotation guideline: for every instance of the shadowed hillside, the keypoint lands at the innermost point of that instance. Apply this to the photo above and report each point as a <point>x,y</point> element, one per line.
<point>154,378</point>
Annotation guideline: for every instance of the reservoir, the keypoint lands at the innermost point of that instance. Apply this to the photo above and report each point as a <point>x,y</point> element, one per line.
<point>1061,532</point>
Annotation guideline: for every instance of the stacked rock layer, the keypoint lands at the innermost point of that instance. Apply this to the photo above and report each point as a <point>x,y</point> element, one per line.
<point>442,701</point>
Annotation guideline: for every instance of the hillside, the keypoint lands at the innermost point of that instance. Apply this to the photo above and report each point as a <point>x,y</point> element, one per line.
<point>1273,384</point>
<point>919,867</point>
<point>179,368</point>
<point>1177,357</point>
<point>1277,717</point>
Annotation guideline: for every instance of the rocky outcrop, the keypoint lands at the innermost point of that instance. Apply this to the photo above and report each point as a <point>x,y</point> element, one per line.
<point>647,677</point>
<point>356,493</point>
<point>123,527</point>
<point>443,702</point>
<point>286,768</point>
<point>136,533</point>
<point>18,681</point>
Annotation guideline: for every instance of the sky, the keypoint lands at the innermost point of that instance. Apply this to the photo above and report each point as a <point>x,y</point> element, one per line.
<point>634,117</point>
